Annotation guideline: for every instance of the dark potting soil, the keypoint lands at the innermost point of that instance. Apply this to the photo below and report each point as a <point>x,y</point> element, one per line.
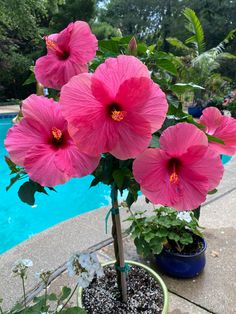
<point>189,249</point>
<point>144,294</point>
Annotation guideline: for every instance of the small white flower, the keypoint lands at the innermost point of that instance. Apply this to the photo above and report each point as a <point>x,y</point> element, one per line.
<point>84,279</point>
<point>184,216</point>
<point>26,262</point>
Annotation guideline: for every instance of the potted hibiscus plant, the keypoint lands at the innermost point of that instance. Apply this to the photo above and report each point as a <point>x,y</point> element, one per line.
<point>111,123</point>
<point>174,238</point>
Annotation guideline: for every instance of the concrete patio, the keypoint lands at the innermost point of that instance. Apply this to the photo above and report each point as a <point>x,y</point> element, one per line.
<point>214,291</point>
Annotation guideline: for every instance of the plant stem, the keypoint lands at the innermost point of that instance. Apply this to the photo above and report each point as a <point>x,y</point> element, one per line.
<point>68,300</point>
<point>23,285</point>
<point>1,311</point>
<point>118,245</point>
<point>45,297</point>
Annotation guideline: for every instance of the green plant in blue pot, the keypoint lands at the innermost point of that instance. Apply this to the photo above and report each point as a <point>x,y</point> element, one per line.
<point>174,238</point>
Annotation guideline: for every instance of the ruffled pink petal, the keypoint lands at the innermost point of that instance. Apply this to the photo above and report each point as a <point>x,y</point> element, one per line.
<point>194,189</point>
<point>86,116</point>
<point>145,97</point>
<point>75,163</point>
<point>41,167</point>
<point>78,101</point>
<point>150,167</point>
<point>22,137</point>
<point>134,136</point>
<point>63,38</point>
<point>221,127</point>
<point>150,170</point>
<point>52,72</point>
<point>211,118</point>
<point>114,71</point>
<point>210,166</point>
<point>83,44</point>
<point>43,112</point>
<point>178,138</point>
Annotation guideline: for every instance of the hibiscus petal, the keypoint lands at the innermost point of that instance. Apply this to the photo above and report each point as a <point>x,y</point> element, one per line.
<point>21,138</point>
<point>40,160</point>
<point>211,118</point>
<point>43,112</point>
<point>178,138</point>
<point>210,166</point>
<point>49,71</point>
<point>86,116</point>
<point>134,136</point>
<point>221,127</point>
<point>114,71</point>
<point>146,97</point>
<point>151,171</point>
<point>75,163</point>
<point>195,188</point>
<point>83,44</point>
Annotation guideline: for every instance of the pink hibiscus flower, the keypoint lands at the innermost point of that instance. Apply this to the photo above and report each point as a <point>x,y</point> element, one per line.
<point>41,144</point>
<point>182,171</point>
<point>68,54</point>
<point>114,110</point>
<point>221,127</point>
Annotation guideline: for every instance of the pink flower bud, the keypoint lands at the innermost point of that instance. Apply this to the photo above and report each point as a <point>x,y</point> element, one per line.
<point>132,47</point>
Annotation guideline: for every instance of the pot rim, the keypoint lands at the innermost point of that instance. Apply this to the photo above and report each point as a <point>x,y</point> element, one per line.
<point>150,270</point>
<point>187,255</point>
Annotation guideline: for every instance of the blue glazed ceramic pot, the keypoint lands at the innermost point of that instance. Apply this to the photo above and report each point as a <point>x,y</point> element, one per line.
<point>196,112</point>
<point>182,265</point>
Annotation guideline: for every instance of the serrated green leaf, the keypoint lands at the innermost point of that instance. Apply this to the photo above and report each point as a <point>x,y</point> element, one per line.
<point>149,236</point>
<point>173,236</point>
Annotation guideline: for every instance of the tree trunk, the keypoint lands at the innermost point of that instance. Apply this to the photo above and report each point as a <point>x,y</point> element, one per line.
<point>118,245</point>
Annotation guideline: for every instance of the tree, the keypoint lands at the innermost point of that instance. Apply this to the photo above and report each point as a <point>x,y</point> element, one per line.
<point>20,40</point>
<point>71,11</point>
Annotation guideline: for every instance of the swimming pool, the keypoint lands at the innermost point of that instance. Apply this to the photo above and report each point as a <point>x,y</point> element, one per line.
<point>19,221</point>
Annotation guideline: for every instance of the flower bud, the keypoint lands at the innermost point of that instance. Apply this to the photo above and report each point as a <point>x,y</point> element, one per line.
<point>132,46</point>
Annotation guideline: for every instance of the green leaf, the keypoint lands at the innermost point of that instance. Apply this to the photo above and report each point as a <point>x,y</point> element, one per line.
<point>119,176</point>
<point>149,236</point>
<point>214,139</point>
<point>156,246</point>
<point>74,310</point>
<point>94,182</point>
<point>65,292</point>
<point>27,191</point>
<point>181,88</point>
<point>173,236</point>
<point>52,297</point>
<point>178,44</point>
<point>31,79</point>
<point>155,143</point>
<point>142,247</point>
<point>193,25</point>
<point>167,65</point>
<point>212,192</point>
<point>109,45</point>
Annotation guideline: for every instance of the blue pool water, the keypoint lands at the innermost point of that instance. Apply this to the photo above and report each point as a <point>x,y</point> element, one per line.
<point>19,221</point>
